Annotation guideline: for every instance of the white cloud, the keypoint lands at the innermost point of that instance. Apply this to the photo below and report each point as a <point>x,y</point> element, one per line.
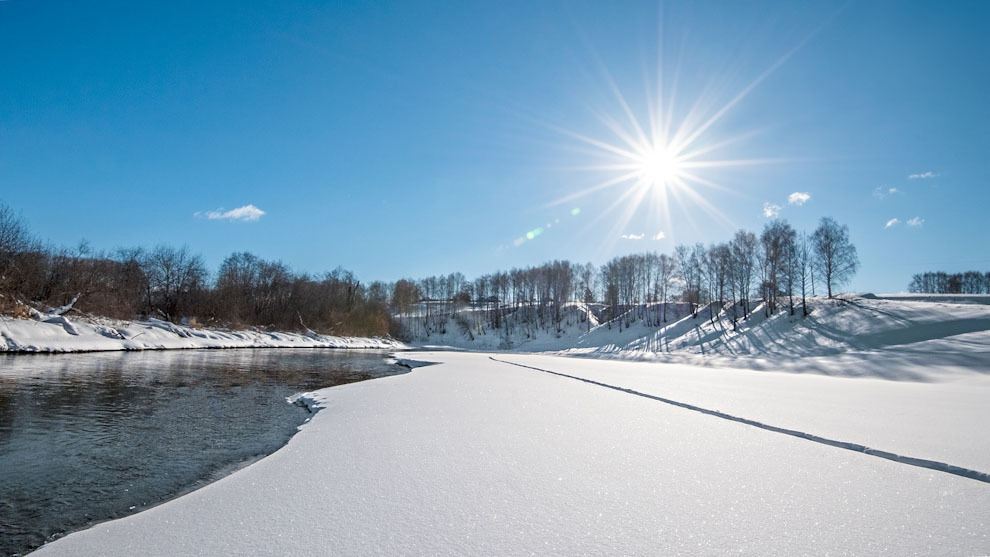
<point>892,223</point>
<point>770,210</point>
<point>246,213</point>
<point>798,198</point>
<point>922,175</point>
<point>915,222</point>
<point>633,236</point>
<point>881,193</point>
<point>659,235</point>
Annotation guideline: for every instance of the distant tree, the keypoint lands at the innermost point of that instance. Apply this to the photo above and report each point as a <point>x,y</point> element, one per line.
<point>836,255</point>
<point>972,282</point>
<point>610,283</point>
<point>718,265</point>
<point>666,270</point>
<point>803,270</point>
<point>940,282</point>
<point>175,277</point>
<point>129,282</point>
<point>15,240</point>
<point>743,247</point>
<point>777,242</point>
<point>690,270</point>
<point>405,295</point>
<point>378,292</point>
<point>236,282</point>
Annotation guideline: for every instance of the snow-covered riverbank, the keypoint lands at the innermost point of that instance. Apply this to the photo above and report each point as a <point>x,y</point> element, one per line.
<point>57,333</point>
<point>853,336</point>
<point>478,456</point>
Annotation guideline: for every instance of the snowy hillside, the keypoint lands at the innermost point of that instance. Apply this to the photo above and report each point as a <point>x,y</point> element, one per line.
<point>947,333</point>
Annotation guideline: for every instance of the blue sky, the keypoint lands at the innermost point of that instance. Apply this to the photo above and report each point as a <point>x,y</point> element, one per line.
<point>422,138</point>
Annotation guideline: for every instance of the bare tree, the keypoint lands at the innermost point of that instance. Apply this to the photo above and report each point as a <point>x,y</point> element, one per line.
<point>744,246</point>
<point>718,261</point>
<point>804,270</point>
<point>15,240</point>
<point>836,255</point>
<point>777,241</point>
<point>940,282</point>
<point>666,269</point>
<point>175,276</point>
<point>690,269</point>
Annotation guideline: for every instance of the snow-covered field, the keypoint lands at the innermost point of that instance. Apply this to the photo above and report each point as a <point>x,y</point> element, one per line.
<point>477,456</point>
<point>57,333</point>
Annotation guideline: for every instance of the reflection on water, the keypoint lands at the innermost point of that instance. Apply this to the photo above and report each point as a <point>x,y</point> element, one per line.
<point>88,437</point>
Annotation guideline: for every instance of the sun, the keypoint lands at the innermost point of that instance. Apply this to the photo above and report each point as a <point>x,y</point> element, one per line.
<point>664,160</point>
<point>662,165</point>
<point>658,166</point>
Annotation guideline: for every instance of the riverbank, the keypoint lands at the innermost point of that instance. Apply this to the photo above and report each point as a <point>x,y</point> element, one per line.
<point>90,437</point>
<point>57,333</point>
<point>574,456</point>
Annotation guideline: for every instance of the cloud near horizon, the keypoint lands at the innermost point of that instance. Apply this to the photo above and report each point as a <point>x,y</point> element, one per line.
<point>633,236</point>
<point>922,175</point>
<point>247,213</point>
<point>770,210</point>
<point>798,198</point>
<point>892,223</point>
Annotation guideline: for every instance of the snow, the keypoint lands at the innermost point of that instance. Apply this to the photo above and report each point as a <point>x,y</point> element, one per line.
<point>476,456</point>
<point>830,434</point>
<point>57,333</point>
<point>891,338</point>
<point>934,420</point>
<point>954,298</point>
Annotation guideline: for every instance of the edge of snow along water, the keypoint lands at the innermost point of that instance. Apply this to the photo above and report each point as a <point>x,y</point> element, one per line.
<point>56,333</point>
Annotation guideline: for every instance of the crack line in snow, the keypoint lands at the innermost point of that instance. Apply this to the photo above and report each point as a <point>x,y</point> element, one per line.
<point>903,459</point>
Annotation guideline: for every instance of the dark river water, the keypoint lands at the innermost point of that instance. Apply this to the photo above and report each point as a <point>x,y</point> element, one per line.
<point>89,437</point>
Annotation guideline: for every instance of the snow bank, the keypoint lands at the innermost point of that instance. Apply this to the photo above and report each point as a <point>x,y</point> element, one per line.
<point>56,333</point>
<point>857,336</point>
<point>479,457</point>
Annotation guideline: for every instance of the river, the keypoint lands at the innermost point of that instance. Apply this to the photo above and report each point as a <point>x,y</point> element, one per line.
<point>89,437</point>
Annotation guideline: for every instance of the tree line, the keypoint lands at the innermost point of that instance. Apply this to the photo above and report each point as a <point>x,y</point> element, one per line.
<point>779,267</point>
<point>940,282</point>
<point>174,284</point>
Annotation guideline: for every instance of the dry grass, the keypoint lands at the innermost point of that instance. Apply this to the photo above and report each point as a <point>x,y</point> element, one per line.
<point>13,308</point>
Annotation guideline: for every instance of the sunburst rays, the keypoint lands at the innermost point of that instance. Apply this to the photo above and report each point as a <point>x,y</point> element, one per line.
<point>659,160</point>
<point>659,163</point>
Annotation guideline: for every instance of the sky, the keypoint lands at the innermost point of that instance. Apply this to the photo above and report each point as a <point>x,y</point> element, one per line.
<point>421,138</point>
